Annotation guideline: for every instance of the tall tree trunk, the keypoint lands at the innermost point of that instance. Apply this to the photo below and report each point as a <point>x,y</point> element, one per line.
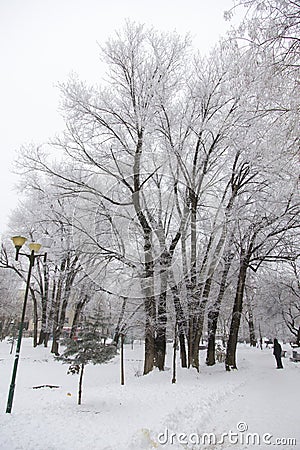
<point>147,281</point>
<point>78,310</point>
<point>150,309</point>
<point>180,319</point>
<point>192,286</point>
<point>214,311</point>
<point>250,321</point>
<point>122,360</point>
<point>149,335</point>
<point>161,323</point>
<point>260,338</point>
<point>69,280</point>
<point>64,292</point>
<point>230,361</point>
<point>199,324</point>
<point>51,311</point>
<point>56,306</point>
<point>35,318</point>
<point>174,354</point>
<point>251,329</point>
<point>44,332</point>
<point>120,320</point>
<point>207,271</point>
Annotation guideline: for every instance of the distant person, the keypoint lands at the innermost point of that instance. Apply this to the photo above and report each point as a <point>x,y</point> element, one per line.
<point>277,353</point>
<point>220,353</point>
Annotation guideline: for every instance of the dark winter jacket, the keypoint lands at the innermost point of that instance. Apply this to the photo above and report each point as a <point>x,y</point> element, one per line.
<point>277,348</point>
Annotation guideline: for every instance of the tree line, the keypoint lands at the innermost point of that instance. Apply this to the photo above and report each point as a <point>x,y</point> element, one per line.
<point>173,188</point>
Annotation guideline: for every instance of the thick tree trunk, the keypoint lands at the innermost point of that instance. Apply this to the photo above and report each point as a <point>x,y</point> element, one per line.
<point>192,287</point>
<point>150,309</point>
<point>182,326</point>
<point>199,324</point>
<point>149,335</point>
<point>298,337</point>
<point>161,323</point>
<point>197,332</point>
<point>213,314</point>
<point>160,341</point>
<point>55,345</point>
<point>78,310</point>
<point>42,337</point>
<point>60,314</point>
<point>230,361</point>
<point>182,349</point>
<point>207,271</point>
<point>71,274</point>
<point>147,282</point>
<point>180,319</point>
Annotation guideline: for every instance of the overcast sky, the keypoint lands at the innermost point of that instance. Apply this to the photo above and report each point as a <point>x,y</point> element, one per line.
<point>43,41</point>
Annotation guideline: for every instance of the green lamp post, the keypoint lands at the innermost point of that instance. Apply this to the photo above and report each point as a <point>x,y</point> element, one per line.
<point>19,241</point>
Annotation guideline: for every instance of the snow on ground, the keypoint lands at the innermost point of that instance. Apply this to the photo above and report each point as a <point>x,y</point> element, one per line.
<point>148,412</point>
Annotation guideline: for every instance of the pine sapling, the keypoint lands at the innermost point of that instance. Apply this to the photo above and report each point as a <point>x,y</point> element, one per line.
<point>86,349</point>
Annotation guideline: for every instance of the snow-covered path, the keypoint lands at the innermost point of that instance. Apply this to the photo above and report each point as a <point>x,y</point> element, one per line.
<point>137,416</point>
<point>267,403</point>
<point>260,405</point>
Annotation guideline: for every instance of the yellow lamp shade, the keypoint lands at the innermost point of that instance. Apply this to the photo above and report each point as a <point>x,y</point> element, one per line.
<point>34,247</point>
<point>18,241</point>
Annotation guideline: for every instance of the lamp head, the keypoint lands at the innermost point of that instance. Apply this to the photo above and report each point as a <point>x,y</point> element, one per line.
<point>18,241</point>
<point>34,247</point>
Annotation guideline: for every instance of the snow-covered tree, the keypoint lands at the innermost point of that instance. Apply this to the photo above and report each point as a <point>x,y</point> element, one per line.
<point>177,176</point>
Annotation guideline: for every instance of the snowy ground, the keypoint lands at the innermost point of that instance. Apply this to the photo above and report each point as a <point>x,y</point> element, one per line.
<point>149,412</point>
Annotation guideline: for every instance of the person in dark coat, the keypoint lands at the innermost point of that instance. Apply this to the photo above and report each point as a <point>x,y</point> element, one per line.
<point>277,353</point>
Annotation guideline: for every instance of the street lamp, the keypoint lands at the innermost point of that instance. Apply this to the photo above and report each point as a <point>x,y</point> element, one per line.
<point>19,241</point>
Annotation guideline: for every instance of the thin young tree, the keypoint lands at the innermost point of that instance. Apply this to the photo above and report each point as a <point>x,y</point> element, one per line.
<point>87,349</point>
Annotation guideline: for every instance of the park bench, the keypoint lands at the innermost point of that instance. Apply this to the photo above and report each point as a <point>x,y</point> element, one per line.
<point>295,357</point>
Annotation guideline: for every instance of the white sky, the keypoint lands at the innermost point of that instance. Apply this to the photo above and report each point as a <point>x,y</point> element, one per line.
<point>43,41</point>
